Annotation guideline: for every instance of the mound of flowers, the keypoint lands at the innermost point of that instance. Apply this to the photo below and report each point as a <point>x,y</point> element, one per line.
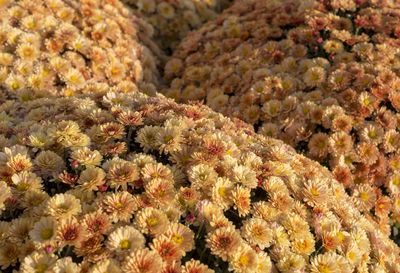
<point>62,48</point>
<point>321,75</point>
<point>124,182</point>
<point>172,20</point>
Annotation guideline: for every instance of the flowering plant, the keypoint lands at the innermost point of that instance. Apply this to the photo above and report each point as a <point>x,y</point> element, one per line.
<point>171,21</point>
<point>323,76</point>
<point>143,184</point>
<point>62,48</point>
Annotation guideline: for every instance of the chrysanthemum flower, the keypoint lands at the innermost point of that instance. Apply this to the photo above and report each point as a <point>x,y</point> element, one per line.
<point>340,143</point>
<point>92,246</point>
<point>27,52</point>
<point>143,260</point>
<point>38,261</point>
<point>223,241</point>
<point>125,238</point>
<point>314,76</point>
<point>221,193</point>
<point>257,231</point>
<point>48,163</point>
<point>151,221</point>
<point>244,259</point>
<point>66,265</point>
<point>8,255</point>
<point>181,235</point>
<point>193,266</point>
<point>291,262</point>
<point>74,79</point>
<point>324,263</point>
<point>107,265</point>
<point>364,197</point>
<point>19,230</point>
<point>35,201</point>
<point>160,191</point>
<point>91,178</point>
<point>44,231</point>
<point>241,200</point>
<point>121,173</point>
<point>96,223</point>
<point>86,157</point>
<point>156,171</point>
<point>70,232</point>
<point>318,145</point>
<point>118,206</point>
<point>63,206</point>
<point>168,250</point>
<point>201,176</point>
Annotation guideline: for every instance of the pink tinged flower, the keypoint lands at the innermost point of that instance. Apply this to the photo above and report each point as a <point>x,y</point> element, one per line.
<point>48,249</point>
<point>190,218</point>
<point>320,40</point>
<point>12,201</point>
<point>103,187</point>
<point>74,164</point>
<point>315,33</point>
<point>358,2</point>
<point>332,56</point>
<point>260,181</point>
<point>315,47</point>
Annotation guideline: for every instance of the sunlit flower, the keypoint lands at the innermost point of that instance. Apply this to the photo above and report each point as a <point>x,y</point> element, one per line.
<point>44,231</point>
<point>151,221</point>
<point>125,238</point>
<point>143,260</point>
<point>223,241</point>
<point>118,206</point>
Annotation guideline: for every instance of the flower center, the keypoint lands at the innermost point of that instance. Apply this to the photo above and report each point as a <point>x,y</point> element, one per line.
<point>177,238</point>
<point>40,268</point>
<point>222,191</point>
<point>314,192</point>
<point>22,186</point>
<point>125,244</point>
<point>372,134</point>
<point>244,260</point>
<point>323,268</point>
<point>152,222</point>
<point>257,231</point>
<point>46,233</point>
<point>364,196</point>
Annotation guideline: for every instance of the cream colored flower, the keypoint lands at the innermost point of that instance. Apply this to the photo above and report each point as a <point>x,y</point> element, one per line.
<point>181,235</point>
<point>151,221</point>
<point>257,231</point>
<point>66,265</point>
<point>125,238</point>
<point>324,263</point>
<point>107,265</point>
<point>244,259</point>
<point>38,261</point>
<point>62,206</point>
<point>44,231</point>
<point>223,242</point>
<point>86,157</point>
<point>143,260</point>
<point>91,178</point>
<point>49,163</point>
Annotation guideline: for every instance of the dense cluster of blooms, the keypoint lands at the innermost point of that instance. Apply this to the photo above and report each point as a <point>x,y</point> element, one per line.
<point>64,47</point>
<point>172,20</point>
<point>321,75</point>
<point>125,182</point>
